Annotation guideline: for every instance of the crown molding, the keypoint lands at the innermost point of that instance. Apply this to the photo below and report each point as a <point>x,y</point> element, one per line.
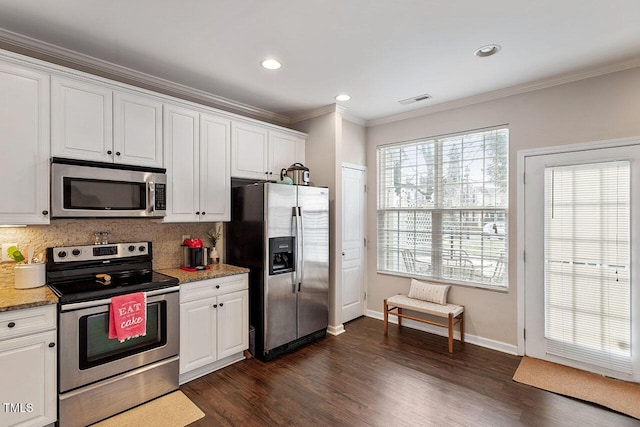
<point>510,91</point>
<point>327,109</point>
<point>38,47</point>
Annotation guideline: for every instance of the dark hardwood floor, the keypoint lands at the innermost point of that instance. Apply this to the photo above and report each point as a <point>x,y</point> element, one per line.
<point>363,378</point>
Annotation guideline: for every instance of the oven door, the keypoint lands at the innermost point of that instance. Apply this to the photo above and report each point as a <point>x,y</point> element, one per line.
<point>87,355</point>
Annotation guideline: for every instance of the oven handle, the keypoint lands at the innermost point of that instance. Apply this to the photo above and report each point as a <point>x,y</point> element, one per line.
<point>106,301</point>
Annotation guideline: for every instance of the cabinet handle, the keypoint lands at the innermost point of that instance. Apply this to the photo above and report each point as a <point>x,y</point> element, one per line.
<point>215,305</point>
<point>45,212</point>
<point>204,213</point>
<point>52,344</point>
<point>221,304</point>
<point>11,324</point>
<point>217,286</point>
<point>197,213</point>
<point>109,152</point>
<point>266,173</point>
<point>117,153</point>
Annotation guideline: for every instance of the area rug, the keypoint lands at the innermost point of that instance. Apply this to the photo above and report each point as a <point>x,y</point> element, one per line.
<point>621,396</point>
<point>171,410</point>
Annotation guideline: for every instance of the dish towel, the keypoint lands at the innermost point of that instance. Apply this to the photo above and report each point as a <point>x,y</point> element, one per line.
<point>128,316</point>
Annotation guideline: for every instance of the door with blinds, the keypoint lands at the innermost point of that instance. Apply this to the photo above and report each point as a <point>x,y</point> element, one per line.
<point>582,224</point>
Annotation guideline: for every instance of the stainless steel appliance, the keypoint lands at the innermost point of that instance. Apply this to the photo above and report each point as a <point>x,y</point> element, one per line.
<point>98,376</point>
<point>298,173</point>
<point>92,189</point>
<point>281,233</point>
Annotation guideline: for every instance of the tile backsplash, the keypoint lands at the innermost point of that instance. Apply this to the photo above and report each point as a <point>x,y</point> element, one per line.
<point>166,238</point>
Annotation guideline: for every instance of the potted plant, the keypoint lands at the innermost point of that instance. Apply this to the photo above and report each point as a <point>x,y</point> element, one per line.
<point>213,236</point>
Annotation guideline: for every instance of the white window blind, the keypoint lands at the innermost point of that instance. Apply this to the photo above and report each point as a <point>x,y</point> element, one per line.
<point>587,272</point>
<point>442,207</point>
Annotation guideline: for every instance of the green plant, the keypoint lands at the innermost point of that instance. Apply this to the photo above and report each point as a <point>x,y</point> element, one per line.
<point>213,235</point>
<point>15,254</point>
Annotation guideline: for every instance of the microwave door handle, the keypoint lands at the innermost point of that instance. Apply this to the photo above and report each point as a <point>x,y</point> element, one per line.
<point>151,190</point>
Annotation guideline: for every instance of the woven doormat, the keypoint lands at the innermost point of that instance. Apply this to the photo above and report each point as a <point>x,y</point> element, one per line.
<point>621,396</point>
<point>171,410</point>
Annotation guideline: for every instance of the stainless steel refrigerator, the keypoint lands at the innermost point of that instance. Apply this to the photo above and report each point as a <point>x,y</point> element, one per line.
<point>281,233</point>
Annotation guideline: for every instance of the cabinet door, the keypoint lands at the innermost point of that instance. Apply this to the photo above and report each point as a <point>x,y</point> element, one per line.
<point>233,323</point>
<point>24,136</point>
<point>197,334</point>
<point>284,150</point>
<point>137,136</point>
<point>82,124</point>
<point>181,148</point>
<point>28,391</point>
<point>215,177</point>
<point>249,152</point>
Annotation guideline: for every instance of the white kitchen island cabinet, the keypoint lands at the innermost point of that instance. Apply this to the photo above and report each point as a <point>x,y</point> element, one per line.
<point>197,152</point>
<point>24,136</point>
<point>214,324</point>
<point>258,152</point>
<point>99,123</point>
<point>28,392</point>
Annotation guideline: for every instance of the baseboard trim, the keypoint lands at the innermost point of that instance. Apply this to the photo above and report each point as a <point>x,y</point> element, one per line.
<point>336,330</point>
<point>468,338</point>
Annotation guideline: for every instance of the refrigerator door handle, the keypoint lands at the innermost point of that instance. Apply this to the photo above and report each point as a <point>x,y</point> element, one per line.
<point>301,246</point>
<point>297,235</point>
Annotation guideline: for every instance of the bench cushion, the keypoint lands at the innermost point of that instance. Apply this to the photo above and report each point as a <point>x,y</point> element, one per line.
<point>440,310</point>
<point>432,292</point>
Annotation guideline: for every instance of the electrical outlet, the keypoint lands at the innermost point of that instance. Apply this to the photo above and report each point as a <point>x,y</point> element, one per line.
<point>5,254</point>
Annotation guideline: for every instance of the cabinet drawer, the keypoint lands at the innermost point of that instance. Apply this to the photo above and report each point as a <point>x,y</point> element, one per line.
<point>29,320</point>
<point>213,287</point>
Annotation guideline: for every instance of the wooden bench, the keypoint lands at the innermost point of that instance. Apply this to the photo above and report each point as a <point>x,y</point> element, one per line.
<point>452,312</point>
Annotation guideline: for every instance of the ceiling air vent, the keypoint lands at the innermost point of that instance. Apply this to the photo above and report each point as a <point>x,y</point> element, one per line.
<point>415,99</point>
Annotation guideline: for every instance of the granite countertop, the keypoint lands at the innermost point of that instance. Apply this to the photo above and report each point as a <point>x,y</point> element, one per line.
<point>16,299</point>
<point>216,270</point>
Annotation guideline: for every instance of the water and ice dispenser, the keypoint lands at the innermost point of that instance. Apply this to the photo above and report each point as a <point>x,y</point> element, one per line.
<point>281,255</point>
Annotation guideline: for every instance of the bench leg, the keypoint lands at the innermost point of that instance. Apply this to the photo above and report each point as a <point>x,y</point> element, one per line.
<point>450,332</point>
<point>462,327</point>
<point>399,316</point>
<point>386,318</point>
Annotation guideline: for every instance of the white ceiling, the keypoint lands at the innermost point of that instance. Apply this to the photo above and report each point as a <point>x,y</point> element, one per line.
<point>378,51</point>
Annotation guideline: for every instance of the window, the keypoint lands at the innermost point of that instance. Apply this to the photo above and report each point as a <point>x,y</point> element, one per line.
<point>442,208</point>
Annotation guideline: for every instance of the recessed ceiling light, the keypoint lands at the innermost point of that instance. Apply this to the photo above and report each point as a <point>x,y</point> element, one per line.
<point>487,50</point>
<point>343,97</point>
<point>271,64</point>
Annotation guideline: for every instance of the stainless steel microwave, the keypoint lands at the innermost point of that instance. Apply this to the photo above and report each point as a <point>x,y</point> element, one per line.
<point>92,189</point>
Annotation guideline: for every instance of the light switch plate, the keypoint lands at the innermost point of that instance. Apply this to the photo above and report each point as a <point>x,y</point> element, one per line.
<point>5,254</point>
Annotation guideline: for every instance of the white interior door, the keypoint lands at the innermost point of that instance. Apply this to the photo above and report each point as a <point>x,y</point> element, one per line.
<point>353,243</point>
<point>575,238</point>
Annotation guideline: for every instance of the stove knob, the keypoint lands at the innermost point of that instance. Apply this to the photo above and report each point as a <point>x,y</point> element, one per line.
<point>75,252</point>
<point>142,248</point>
<point>132,248</point>
<point>62,254</point>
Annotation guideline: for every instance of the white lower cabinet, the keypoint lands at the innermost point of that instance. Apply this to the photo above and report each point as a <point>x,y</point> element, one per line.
<point>214,324</point>
<point>28,395</point>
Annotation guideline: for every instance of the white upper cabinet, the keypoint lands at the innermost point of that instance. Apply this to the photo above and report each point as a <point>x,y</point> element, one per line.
<point>84,120</point>
<point>215,176</point>
<point>284,150</point>
<point>137,138</point>
<point>24,137</point>
<point>197,150</point>
<point>260,153</point>
<point>250,151</point>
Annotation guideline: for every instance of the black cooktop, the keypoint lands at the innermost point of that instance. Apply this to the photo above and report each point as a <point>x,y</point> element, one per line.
<point>92,288</point>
